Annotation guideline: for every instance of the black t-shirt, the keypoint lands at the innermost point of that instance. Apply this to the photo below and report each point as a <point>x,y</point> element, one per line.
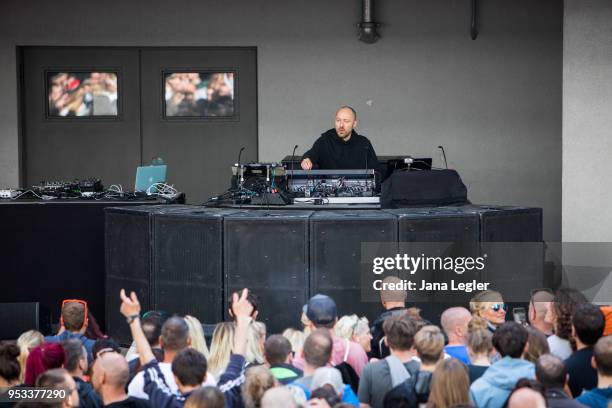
<point>476,372</point>
<point>581,375</point>
<point>331,152</point>
<point>130,402</point>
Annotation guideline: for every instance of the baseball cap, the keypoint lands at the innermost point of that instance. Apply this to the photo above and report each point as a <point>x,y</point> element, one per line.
<point>321,309</point>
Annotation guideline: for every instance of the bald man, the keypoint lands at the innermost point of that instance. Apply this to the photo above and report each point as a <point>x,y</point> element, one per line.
<point>341,147</point>
<point>109,378</point>
<point>526,398</point>
<point>454,322</point>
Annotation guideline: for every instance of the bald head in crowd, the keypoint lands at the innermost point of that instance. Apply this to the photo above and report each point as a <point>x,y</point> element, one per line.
<point>110,377</point>
<point>318,348</point>
<point>391,298</point>
<point>551,371</point>
<point>526,398</point>
<point>454,322</point>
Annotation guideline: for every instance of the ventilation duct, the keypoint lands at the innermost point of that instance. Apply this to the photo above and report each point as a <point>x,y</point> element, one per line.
<point>367,26</point>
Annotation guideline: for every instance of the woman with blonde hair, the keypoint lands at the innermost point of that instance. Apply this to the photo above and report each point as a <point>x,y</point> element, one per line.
<point>255,343</point>
<point>26,342</point>
<point>221,348</point>
<point>196,334</point>
<point>296,338</point>
<point>450,385</point>
<point>355,329</point>
<point>490,306</point>
<point>480,347</point>
<point>257,381</point>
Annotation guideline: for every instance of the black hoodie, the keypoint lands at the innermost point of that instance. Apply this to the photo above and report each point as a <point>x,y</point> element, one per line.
<point>331,152</point>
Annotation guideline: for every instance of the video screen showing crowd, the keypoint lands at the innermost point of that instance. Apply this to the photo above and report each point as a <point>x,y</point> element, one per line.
<point>341,167</point>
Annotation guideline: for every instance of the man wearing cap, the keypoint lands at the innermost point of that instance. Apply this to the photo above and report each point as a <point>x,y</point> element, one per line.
<point>322,313</point>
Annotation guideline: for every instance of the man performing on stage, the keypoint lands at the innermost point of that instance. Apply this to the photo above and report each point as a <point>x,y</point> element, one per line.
<point>341,147</point>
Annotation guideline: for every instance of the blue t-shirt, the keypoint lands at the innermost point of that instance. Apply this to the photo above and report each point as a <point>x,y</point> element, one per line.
<point>596,398</point>
<point>458,352</point>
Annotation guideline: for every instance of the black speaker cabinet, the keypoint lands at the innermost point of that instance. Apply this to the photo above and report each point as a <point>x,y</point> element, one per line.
<point>511,241</point>
<point>188,263</point>
<point>438,233</point>
<point>128,246</point>
<point>267,252</point>
<point>337,267</point>
<point>20,317</point>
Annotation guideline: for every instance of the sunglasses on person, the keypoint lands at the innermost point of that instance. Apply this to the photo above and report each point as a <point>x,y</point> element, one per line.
<point>496,307</point>
<point>84,303</point>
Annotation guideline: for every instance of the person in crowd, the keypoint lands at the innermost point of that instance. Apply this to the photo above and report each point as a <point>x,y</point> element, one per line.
<point>450,385</point>
<point>324,397</point>
<point>601,396</point>
<point>189,365</point>
<point>26,342</point>
<point>355,329</point>
<point>197,340</point>
<point>76,365</point>
<point>174,338</point>
<point>255,343</point>
<point>454,322</point>
<point>278,397</point>
<point>93,331</point>
<point>559,314</point>
<point>109,378</point>
<point>317,352</point>
<point>220,348</point>
<point>394,303</point>
<point>296,338</point>
<point>527,394</point>
<point>551,372</point>
<point>60,379</point>
<point>152,327</point>
<point>490,306</point>
<point>206,397</point>
<point>538,345</point>
<point>9,367</point>
<point>381,376</point>
<point>429,345</point>
<point>538,305</point>
<point>278,356</point>
<point>257,381</point>
<point>480,347</point>
<point>42,358</point>
<point>494,386</point>
<point>73,324</point>
<point>328,376</point>
<point>341,147</point>
<point>322,313</point>
<point>587,327</point>
<point>151,323</point>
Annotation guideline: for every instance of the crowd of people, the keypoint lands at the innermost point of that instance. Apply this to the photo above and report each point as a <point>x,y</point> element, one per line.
<point>200,94</point>
<point>83,94</point>
<point>476,358</point>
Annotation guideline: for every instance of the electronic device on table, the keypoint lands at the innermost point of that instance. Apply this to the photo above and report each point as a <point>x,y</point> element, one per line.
<point>331,183</point>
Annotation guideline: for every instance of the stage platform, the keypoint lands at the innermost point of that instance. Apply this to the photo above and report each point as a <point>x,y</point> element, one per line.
<point>189,259</point>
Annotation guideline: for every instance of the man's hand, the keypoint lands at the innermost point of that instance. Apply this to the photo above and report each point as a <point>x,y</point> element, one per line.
<point>129,305</point>
<point>306,164</point>
<point>241,307</point>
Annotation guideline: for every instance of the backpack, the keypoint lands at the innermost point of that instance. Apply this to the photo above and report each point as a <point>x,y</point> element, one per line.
<point>348,373</point>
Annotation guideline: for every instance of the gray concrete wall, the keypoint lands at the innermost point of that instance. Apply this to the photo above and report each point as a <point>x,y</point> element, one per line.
<point>494,103</point>
<point>587,121</point>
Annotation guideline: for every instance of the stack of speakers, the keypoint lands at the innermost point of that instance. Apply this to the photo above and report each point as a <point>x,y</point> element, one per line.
<point>189,260</point>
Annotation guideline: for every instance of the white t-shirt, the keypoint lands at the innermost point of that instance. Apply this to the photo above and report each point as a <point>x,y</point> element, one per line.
<point>136,387</point>
<point>559,347</point>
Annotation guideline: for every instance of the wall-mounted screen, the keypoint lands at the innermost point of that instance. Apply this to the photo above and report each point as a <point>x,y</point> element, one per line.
<point>199,94</point>
<point>82,94</point>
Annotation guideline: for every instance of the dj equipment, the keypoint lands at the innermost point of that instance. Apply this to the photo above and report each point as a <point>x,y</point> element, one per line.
<point>91,185</point>
<point>331,183</point>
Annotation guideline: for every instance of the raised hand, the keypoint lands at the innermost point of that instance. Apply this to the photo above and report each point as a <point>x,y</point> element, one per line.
<point>129,305</point>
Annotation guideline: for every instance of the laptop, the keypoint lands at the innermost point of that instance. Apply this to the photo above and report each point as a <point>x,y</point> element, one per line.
<point>146,176</point>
